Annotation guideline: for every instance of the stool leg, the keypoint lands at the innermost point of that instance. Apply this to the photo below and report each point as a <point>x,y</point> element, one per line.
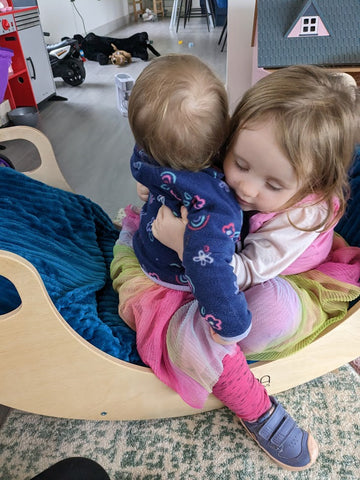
<point>223,45</point>
<point>136,11</point>
<point>223,31</point>
<point>188,7</point>
<point>179,15</point>
<point>156,4</point>
<point>212,11</point>
<point>207,22</point>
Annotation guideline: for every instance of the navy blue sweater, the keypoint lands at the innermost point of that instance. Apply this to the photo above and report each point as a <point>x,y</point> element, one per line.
<point>214,224</point>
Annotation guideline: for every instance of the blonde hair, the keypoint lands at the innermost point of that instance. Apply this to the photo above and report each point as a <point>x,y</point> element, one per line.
<point>178,112</point>
<point>316,113</point>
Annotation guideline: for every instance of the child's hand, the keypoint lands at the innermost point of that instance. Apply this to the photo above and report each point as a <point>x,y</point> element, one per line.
<point>142,191</point>
<point>169,230</point>
<point>216,337</point>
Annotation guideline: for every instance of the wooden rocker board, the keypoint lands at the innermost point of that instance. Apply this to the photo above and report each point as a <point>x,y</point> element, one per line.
<point>47,368</point>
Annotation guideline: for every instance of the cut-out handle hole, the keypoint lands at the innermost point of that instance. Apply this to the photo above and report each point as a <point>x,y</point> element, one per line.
<point>9,297</point>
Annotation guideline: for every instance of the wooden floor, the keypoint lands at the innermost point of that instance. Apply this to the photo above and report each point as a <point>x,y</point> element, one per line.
<point>91,140</point>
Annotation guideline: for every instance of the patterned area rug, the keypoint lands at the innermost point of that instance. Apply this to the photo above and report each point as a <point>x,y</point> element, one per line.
<point>206,446</point>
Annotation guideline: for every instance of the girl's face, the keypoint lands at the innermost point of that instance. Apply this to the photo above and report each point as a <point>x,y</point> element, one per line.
<point>258,171</point>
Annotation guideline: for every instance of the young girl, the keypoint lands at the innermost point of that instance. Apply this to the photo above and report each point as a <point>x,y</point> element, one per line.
<point>190,343</point>
<point>291,144</point>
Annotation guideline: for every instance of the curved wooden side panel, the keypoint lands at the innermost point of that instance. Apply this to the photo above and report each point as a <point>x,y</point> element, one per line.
<point>48,171</point>
<point>47,368</point>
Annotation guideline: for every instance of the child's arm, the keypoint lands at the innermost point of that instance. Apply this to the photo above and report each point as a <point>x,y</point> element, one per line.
<point>267,252</point>
<point>275,247</point>
<point>209,244</point>
<point>169,230</point>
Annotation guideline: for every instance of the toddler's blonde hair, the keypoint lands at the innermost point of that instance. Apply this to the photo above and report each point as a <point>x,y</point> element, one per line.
<point>178,112</point>
<point>316,114</point>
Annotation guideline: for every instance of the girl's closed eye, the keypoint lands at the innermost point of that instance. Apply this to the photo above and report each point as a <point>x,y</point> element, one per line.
<point>275,188</point>
<point>242,166</point>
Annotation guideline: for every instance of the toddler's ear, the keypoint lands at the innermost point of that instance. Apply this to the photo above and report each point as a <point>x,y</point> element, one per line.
<point>347,78</point>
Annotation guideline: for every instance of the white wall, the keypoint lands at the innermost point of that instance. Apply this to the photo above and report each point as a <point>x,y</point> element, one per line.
<point>60,18</point>
<point>239,51</point>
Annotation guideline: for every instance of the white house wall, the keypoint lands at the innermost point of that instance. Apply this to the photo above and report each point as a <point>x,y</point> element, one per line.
<point>60,18</point>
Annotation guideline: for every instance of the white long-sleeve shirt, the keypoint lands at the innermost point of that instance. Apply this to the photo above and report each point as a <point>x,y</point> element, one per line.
<point>275,246</point>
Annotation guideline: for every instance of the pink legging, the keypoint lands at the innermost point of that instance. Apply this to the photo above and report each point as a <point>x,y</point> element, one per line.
<point>276,314</point>
<point>239,390</point>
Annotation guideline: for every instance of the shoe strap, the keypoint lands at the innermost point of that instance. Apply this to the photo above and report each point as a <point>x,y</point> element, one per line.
<point>283,431</point>
<point>273,422</point>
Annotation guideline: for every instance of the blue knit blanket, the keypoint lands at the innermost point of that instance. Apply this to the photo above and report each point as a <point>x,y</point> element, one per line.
<point>69,240</point>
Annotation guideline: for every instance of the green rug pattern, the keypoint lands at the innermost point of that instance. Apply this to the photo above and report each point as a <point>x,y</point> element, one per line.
<point>206,446</point>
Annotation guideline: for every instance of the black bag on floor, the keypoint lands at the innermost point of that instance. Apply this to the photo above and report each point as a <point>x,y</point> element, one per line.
<point>99,48</point>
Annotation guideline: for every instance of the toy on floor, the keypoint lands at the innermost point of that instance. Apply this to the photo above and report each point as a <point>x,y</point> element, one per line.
<point>124,84</point>
<point>99,48</point>
<point>148,15</point>
<point>119,57</point>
